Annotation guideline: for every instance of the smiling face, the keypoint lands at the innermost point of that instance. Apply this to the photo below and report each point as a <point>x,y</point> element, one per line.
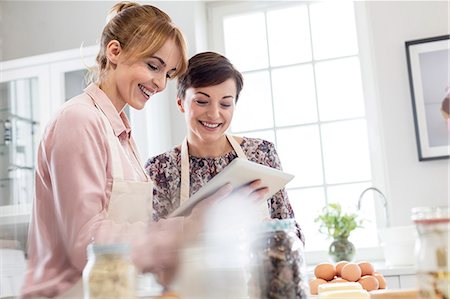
<point>208,111</point>
<point>134,82</point>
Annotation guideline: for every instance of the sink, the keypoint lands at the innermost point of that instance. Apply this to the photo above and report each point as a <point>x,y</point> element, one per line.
<point>398,244</point>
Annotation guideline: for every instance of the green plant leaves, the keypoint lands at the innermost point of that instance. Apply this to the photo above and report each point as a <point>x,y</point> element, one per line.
<point>336,224</point>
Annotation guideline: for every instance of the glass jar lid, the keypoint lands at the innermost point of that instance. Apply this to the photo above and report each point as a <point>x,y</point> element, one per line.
<point>278,225</point>
<point>108,249</point>
<point>431,214</point>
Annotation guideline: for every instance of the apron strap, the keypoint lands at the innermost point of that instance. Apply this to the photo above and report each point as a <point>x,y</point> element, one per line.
<point>237,147</point>
<point>185,177</point>
<point>137,157</point>
<point>117,167</point>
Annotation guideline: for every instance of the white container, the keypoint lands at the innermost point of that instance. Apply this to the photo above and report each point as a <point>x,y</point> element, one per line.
<point>398,245</point>
<point>12,272</point>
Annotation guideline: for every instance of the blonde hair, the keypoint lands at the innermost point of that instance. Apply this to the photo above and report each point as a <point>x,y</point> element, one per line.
<point>141,31</point>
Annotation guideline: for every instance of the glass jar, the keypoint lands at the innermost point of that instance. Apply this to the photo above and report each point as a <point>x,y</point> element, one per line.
<point>432,254</point>
<point>279,269</point>
<point>109,272</point>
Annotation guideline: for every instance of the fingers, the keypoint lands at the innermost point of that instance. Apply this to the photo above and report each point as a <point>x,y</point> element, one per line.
<point>220,194</point>
<point>249,188</point>
<point>223,192</point>
<point>194,222</point>
<point>253,190</point>
<point>259,194</point>
<point>166,276</point>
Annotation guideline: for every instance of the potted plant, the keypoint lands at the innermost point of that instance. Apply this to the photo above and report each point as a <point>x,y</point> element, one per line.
<point>338,225</point>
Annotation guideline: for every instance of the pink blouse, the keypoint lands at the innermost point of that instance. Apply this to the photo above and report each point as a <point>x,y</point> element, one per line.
<point>73,187</point>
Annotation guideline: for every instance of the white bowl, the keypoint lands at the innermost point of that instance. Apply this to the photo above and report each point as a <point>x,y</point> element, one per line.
<point>398,244</point>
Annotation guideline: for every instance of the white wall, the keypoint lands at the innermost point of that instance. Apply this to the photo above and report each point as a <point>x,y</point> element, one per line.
<point>410,183</point>
<point>30,28</point>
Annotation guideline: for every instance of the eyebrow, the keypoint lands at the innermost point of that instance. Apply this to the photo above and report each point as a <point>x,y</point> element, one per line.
<point>207,95</point>
<point>160,60</point>
<point>163,62</point>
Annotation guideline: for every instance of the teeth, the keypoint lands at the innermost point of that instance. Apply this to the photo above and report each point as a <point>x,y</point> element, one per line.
<point>147,92</point>
<point>209,125</point>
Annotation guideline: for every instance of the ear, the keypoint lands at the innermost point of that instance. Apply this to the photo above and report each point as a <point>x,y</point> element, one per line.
<point>180,104</point>
<point>113,50</point>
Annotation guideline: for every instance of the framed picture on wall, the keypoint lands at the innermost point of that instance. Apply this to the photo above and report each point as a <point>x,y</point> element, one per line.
<point>429,79</point>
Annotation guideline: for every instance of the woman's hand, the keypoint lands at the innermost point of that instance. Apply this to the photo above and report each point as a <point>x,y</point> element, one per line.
<point>192,226</point>
<point>252,190</point>
<point>194,222</point>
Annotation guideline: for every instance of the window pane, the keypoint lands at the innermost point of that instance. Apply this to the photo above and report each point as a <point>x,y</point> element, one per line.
<point>306,213</point>
<point>294,95</point>
<point>268,135</point>
<point>303,89</point>
<point>333,29</point>
<point>245,52</point>
<point>254,108</point>
<point>299,150</point>
<point>347,196</point>
<point>288,34</point>
<point>21,97</point>
<point>346,151</point>
<point>339,89</point>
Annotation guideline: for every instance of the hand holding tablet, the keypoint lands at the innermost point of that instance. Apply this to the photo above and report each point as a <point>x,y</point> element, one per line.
<point>238,173</point>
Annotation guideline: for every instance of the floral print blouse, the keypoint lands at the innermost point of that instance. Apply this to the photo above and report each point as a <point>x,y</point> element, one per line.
<point>165,171</point>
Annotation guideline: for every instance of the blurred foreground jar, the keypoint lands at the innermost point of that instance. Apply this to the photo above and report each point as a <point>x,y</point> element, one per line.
<point>432,254</point>
<point>109,272</point>
<point>279,268</point>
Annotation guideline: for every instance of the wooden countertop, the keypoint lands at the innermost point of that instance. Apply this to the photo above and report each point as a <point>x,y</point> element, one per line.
<point>394,294</point>
<point>388,294</point>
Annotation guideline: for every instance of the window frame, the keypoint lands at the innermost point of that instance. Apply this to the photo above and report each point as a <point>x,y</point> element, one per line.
<point>217,11</point>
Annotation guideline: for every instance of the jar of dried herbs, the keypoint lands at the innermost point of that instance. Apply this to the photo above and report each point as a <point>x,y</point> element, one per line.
<point>278,264</point>
<point>109,272</point>
<point>432,251</point>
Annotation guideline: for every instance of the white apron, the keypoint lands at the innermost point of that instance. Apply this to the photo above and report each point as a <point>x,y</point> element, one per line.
<point>185,179</point>
<point>127,197</point>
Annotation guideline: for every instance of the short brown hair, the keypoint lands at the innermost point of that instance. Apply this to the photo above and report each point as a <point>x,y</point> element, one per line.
<point>141,31</point>
<point>208,69</point>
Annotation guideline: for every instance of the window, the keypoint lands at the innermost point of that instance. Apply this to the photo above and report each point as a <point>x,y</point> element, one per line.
<point>303,90</point>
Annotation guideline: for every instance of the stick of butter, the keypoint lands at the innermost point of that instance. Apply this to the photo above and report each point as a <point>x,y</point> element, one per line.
<point>345,294</point>
<point>339,286</point>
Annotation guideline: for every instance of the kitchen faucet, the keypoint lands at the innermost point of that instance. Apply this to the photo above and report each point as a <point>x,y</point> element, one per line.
<point>382,196</point>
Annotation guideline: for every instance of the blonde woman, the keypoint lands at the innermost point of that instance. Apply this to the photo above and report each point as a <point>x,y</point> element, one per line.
<point>90,186</point>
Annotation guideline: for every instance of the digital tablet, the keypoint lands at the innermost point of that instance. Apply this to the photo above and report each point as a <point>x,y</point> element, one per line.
<point>238,173</point>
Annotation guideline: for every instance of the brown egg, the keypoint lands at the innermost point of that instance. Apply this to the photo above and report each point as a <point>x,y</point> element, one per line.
<point>366,268</point>
<point>314,285</point>
<point>369,283</point>
<point>325,271</point>
<point>351,272</point>
<point>338,279</point>
<point>381,280</point>
<point>339,267</point>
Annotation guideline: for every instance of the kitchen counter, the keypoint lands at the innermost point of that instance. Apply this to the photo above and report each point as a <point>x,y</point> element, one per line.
<point>397,277</point>
<point>388,294</point>
<point>381,267</point>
